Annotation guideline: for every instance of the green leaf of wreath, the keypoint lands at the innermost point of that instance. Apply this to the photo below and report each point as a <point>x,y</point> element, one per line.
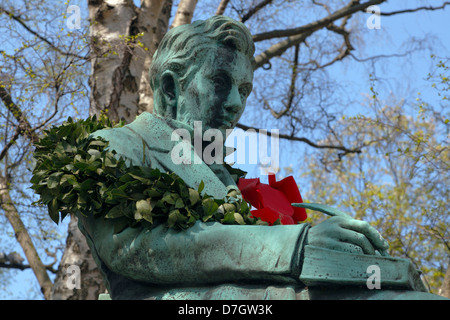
<point>76,174</point>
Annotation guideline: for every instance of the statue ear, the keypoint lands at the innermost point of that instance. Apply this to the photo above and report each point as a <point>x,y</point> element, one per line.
<point>169,88</point>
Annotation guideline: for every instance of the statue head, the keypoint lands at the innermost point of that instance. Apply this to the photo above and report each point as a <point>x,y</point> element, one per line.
<point>203,72</point>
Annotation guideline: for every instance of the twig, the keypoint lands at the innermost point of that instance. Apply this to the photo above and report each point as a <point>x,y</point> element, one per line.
<point>22,266</point>
<point>255,9</point>
<point>51,44</point>
<point>305,140</point>
<point>414,10</point>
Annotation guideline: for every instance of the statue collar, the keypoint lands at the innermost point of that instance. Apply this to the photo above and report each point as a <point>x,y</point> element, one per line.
<point>159,137</point>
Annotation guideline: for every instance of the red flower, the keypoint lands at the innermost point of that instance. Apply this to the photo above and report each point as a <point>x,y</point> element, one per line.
<point>273,200</point>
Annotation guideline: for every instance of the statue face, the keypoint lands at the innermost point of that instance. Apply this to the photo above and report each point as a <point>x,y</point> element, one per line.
<point>218,92</point>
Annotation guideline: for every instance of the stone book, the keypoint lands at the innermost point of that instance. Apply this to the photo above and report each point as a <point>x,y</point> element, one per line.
<point>324,267</point>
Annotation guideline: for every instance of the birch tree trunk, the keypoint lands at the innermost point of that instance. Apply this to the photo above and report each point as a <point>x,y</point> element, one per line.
<point>123,41</point>
<point>77,253</point>
<point>185,12</point>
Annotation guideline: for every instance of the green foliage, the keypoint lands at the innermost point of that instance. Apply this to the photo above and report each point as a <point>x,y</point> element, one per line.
<point>76,174</point>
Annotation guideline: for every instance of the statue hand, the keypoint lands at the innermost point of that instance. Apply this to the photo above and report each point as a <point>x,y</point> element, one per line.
<point>347,234</point>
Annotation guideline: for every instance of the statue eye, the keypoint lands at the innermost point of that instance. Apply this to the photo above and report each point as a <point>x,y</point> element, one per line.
<point>168,86</point>
<point>221,81</point>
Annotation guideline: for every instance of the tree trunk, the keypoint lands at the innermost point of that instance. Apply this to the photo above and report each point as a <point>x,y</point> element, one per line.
<point>24,239</point>
<point>185,12</point>
<point>77,253</point>
<point>445,288</point>
<point>123,41</point>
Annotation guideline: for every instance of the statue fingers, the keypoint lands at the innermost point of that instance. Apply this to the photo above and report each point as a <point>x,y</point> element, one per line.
<point>372,235</point>
<point>343,247</point>
<point>358,239</point>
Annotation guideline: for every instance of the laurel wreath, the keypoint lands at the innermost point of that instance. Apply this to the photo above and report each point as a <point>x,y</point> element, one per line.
<point>75,174</point>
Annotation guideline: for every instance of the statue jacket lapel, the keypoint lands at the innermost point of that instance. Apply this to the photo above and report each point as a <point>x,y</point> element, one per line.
<point>149,141</point>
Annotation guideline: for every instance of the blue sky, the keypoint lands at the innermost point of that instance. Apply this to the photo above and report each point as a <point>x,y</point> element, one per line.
<point>390,38</point>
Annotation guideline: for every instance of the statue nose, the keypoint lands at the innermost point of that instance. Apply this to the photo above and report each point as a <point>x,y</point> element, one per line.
<point>234,103</point>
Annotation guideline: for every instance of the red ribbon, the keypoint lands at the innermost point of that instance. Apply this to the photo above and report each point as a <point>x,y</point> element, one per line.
<point>273,201</point>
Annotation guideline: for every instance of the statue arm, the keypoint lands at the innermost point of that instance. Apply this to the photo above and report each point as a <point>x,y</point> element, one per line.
<point>205,253</point>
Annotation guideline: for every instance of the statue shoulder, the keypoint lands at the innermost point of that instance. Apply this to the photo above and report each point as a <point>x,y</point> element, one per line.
<point>140,139</point>
<point>124,142</point>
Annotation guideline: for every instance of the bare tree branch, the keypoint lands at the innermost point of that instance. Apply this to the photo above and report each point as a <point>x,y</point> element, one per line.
<point>326,7</point>
<point>255,9</point>
<point>414,10</point>
<point>35,33</point>
<point>380,56</point>
<point>305,140</point>
<point>346,47</point>
<point>222,6</point>
<point>24,126</point>
<point>291,93</point>
<point>8,263</point>
<point>349,9</point>
<point>10,143</point>
<point>279,48</point>
<point>23,237</point>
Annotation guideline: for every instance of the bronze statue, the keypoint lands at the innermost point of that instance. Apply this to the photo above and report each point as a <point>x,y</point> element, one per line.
<point>204,72</point>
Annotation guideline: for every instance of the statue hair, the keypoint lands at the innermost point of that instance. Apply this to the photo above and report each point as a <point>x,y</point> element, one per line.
<point>182,47</point>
